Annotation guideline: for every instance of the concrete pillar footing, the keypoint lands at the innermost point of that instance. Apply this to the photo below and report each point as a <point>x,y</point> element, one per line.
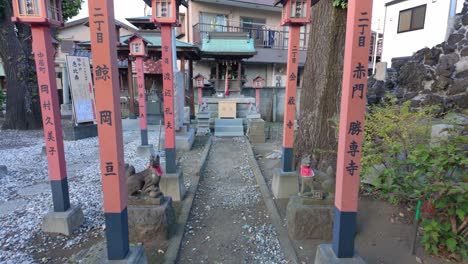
<point>284,184</point>
<point>172,184</point>
<point>326,255</point>
<point>63,222</point>
<point>145,151</point>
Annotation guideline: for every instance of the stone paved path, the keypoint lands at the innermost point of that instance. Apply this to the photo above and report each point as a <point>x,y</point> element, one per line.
<point>229,222</point>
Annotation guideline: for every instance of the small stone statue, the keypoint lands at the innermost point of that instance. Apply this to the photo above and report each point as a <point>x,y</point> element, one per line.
<point>316,184</point>
<point>146,181</point>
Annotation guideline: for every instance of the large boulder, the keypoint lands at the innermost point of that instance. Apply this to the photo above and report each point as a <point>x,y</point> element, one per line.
<point>458,86</point>
<point>411,76</point>
<point>455,38</point>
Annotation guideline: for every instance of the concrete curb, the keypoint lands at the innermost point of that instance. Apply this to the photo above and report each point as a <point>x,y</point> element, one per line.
<point>285,242</point>
<point>172,252</point>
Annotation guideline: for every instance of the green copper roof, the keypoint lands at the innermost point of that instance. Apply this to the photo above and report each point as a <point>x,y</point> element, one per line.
<point>154,40</point>
<point>228,46</point>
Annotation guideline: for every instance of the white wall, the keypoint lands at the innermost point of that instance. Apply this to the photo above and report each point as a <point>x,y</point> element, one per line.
<point>405,44</point>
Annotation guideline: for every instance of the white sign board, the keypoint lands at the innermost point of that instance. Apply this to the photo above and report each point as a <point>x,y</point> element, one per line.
<point>81,87</point>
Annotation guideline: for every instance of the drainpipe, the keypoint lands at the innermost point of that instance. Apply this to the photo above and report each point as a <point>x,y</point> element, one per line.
<point>451,18</point>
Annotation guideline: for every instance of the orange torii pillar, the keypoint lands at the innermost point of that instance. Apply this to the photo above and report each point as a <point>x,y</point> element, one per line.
<point>142,100</point>
<point>353,104</point>
<point>107,92</point>
<point>63,218</point>
<point>168,93</point>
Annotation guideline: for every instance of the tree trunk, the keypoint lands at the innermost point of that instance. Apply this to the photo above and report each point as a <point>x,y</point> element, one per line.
<point>22,101</point>
<point>321,90</point>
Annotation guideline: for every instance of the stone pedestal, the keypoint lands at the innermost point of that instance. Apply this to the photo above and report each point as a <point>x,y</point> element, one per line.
<point>284,184</point>
<point>172,184</point>
<point>150,218</point>
<point>325,255</point>
<point>145,151</point>
<point>308,218</point>
<point>63,222</point>
<point>81,131</point>
<point>185,138</point>
<point>97,254</point>
<point>66,110</point>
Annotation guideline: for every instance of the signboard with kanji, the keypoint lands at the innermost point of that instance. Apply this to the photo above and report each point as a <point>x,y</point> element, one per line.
<point>81,86</point>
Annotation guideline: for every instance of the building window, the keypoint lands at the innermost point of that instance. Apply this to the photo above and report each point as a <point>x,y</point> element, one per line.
<point>412,19</point>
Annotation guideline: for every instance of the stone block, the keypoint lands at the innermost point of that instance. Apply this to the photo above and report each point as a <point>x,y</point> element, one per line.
<point>326,255</point>
<point>145,151</point>
<point>284,184</point>
<point>184,140</point>
<point>309,220</point>
<point>381,71</point>
<point>148,221</point>
<point>79,132</point>
<point>63,222</point>
<point>97,254</point>
<point>172,184</point>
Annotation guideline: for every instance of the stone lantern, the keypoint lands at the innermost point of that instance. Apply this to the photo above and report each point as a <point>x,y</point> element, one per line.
<point>258,83</point>
<point>199,84</point>
<point>295,12</point>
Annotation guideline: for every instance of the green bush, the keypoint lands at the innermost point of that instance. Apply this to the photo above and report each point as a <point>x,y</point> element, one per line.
<point>397,140</point>
<point>2,98</point>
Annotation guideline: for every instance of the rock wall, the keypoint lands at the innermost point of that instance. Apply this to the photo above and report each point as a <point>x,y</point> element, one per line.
<point>432,76</point>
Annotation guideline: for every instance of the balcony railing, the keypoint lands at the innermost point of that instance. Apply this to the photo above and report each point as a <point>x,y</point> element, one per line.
<point>263,36</point>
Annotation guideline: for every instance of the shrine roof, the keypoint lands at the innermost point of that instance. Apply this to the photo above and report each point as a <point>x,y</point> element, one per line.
<point>233,45</point>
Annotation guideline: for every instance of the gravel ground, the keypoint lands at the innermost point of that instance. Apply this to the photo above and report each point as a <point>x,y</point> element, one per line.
<point>229,222</point>
<point>26,197</point>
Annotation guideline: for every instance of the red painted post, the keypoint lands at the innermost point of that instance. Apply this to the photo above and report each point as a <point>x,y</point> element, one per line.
<point>51,119</point>
<point>107,92</point>
<point>353,103</point>
<point>200,95</point>
<point>168,90</point>
<point>257,99</point>
<point>290,97</point>
<point>142,99</point>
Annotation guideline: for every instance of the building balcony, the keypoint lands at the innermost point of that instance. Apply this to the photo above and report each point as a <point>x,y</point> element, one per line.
<point>264,37</point>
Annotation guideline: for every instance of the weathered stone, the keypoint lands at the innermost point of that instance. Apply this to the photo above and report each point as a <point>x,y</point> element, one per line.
<point>150,222</point>
<point>465,20</point>
<point>97,254</point>
<point>447,49</point>
<point>433,99</point>
<point>441,83</point>
<point>389,85</point>
<point>461,100</point>
<point>463,74</point>
<point>172,184</point>
<point>284,184</point>
<point>458,86</point>
<point>411,76</point>
<point>454,39</point>
<point>397,63</point>
<point>381,71</point>
<point>410,95</point>
<point>313,221</point>
<point>372,99</point>
<point>440,133</point>
<point>447,64</point>
<point>370,82</point>
<point>420,55</point>
<point>464,52</point>
<point>461,31</point>
<point>432,57</point>
<point>462,44</point>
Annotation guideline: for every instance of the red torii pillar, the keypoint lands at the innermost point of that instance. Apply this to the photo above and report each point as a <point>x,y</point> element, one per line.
<point>353,104</point>
<point>168,93</point>
<point>107,92</point>
<point>142,99</point>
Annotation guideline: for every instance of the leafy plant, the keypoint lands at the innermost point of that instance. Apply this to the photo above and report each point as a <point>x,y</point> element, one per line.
<point>397,140</point>
<point>2,98</point>
<point>340,3</point>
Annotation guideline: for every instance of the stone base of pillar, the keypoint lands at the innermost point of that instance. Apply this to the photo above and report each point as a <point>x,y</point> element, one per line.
<point>145,151</point>
<point>81,131</point>
<point>97,254</point>
<point>150,219</point>
<point>63,222</point>
<point>132,116</point>
<point>172,184</point>
<point>185,139</point>
<point>307,218</point>
<point>326,255</point>
<point>284,184</point>
<point>66,110</point>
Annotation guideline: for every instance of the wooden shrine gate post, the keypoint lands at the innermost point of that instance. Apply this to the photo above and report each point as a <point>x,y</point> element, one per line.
<point>107,92</point>
<point>164,15</point>
<point>296,13</point>
<point>64,218</point>
<point>353,104</point>
<point>138,51</point>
